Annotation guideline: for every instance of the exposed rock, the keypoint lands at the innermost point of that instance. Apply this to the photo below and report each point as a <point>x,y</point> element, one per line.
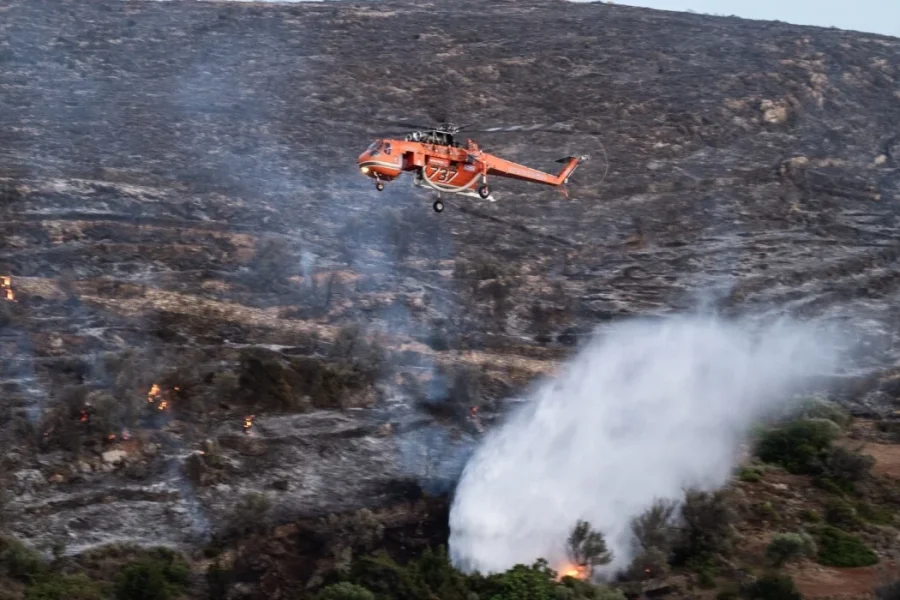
<point>114,456</point>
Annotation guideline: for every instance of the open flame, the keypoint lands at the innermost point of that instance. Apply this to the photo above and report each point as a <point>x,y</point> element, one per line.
<point>156,394</point>
<point>248,423</point>
<point>574,571</point>
<point>6,287</point>
<point>83,416</point>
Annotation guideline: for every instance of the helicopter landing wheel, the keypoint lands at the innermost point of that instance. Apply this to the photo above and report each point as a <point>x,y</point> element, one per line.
<point>438,206</point>
<point>379,186</point>
<point>484,191</point>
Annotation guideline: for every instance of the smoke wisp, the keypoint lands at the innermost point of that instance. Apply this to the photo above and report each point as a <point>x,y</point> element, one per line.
<point>643,412</point>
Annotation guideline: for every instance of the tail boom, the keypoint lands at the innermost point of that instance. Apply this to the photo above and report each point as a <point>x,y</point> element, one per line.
<point>505,168</point>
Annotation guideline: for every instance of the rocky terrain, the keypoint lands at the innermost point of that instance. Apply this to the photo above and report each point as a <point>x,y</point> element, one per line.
<point>190,248</point>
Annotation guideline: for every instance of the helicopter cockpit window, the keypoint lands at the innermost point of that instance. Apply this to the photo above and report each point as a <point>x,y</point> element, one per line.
<point>376,145</point>
<point>387,149</point>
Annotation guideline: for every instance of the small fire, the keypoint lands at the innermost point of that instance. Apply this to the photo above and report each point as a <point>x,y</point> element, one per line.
<point>248,423</point>
<point>111,437</point>
<point>154,394</point>
<point>83,417</point>
<point>574,571</point>
<point>6,286</point>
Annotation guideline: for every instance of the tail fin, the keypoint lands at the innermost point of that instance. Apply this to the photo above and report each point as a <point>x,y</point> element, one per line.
<point>571,163</point>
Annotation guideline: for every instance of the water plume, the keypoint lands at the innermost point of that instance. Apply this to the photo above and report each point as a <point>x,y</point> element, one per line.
<point>644,411</point>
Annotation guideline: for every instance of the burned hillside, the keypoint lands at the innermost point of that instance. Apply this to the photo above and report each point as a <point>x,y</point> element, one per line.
<point>203,300</point>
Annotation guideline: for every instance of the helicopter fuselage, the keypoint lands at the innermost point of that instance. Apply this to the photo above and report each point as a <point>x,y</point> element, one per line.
<point>446,166</point>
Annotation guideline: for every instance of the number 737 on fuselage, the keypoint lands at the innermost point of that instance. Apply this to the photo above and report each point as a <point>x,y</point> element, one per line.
<point>439,162</point>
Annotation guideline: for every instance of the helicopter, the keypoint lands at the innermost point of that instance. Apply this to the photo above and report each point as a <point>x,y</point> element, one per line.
<point>443,164</point>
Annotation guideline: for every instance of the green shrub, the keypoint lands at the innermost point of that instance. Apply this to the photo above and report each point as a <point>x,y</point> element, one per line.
<point>786,547</point>
<point>19,561</point>
<point>65,587</point>
<point>345,591</point>
<point>160,576</point>
<point>822,409</point>
<point>750,475</point>
<point>847,467</point>
<point>648,564</point>
<point>773,586</point>
<point>875,514</point>
<point>837,548</point>
<point>654,529</point>
<point>811,515</point>
<point>841,514</point>
<point>708,525</point>
<point>830,486</point>
<point>798,446</point>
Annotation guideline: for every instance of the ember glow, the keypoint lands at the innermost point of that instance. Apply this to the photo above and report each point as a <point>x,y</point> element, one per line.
<point>6,286</point>
<point>248,423</point>
<point>574,571</point>
<point>154,394</point>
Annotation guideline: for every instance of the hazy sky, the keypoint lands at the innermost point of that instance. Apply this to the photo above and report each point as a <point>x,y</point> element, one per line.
<point>876,16</point>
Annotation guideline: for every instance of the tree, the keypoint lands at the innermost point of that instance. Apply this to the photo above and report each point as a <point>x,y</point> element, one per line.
<point>654,529</point>
<point>707,529</point>
<point>586,547</point>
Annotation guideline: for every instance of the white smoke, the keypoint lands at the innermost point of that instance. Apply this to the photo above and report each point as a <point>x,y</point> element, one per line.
<point>648,409</point>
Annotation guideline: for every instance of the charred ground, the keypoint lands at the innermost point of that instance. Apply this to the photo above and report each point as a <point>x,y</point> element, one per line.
<point>180,206</point>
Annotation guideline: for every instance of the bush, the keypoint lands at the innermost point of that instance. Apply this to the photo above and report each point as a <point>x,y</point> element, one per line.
<point>786,547</point>
<point>359,531</point>
<point>750,475</point>
<point>837,548</point>
<point>20,562</point>
<point>823,409</point>
<point>799,446</point>
<point>847,467</point>
<point>345,591</point>
<point>655,529</point>
<point>773,586</point>
<point>648,565</point>
<point>875,514</point>
<point>250,513</point>
<point>65,587</point>
<point>707,527</point>
<point>811,515</point>
<point>841,514</point>
<point>161,576</point>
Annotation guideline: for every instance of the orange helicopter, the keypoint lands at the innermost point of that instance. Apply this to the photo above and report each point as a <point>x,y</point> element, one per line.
<point>441,163</point>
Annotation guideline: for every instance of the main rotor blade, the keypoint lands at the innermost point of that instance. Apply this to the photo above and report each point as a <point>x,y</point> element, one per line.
<point>537,128</point>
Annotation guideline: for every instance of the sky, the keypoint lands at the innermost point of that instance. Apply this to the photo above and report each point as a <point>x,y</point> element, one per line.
<point>873,16</point>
